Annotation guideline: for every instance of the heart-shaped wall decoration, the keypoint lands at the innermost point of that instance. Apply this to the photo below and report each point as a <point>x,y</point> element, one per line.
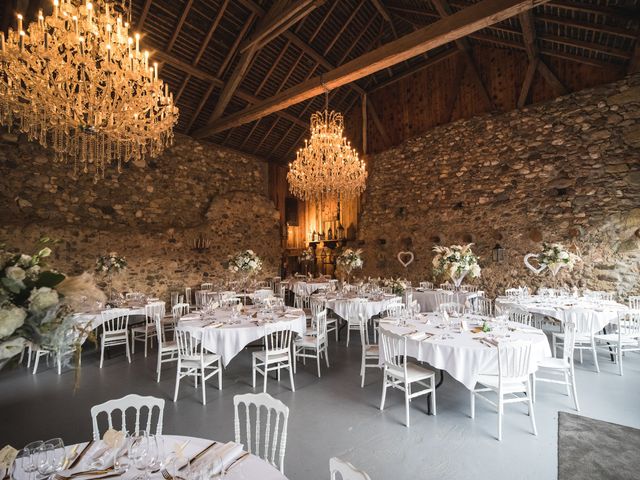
<point>537,269</point>
<point>405,258</point>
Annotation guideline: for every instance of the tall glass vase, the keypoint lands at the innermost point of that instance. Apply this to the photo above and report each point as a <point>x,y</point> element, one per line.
<point>555,269</point>
<point>457,280</point>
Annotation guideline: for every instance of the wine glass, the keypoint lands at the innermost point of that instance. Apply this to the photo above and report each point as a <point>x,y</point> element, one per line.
<point>28,462</point>
<point>139,452</point>
<point>50,456</point>
<point>158,452</point>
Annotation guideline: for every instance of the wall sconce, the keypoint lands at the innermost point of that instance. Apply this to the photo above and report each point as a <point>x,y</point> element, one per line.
<point>498,253</point>
<point>201,243</point>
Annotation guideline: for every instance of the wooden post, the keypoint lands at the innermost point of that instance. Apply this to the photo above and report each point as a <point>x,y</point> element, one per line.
<point>364,124</point>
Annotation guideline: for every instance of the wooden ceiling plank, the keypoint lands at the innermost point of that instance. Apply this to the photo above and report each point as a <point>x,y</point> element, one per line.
<point>342,29</point>
<point>143,15</point>
<point>446,30</point>
<point>266,135</point>
<point>593,47</point>
<point>274,64</point>
<point>592,27</point>
<point>322,22</point>
<point>176,32</point>
<point>444,10</point>
<point>356,41</point>
<point>236,45</point>
<point>211,31</point>
<point>255,125</point>
<point>382,10</point>
<point>621,14</point>
<point>286,26</point>
<point>201,105</point>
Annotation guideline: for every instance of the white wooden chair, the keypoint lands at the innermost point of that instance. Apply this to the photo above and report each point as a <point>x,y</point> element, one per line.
<point>355,315</point>
<point>195,361</point>
<point>513,378</point>
<point>146,331</point>
<point>634,302</point>
<point>400,374</point>
<point>75,336</point>
<point>370,352</point>
<point>550,369</point>
<point>586,327</point>
<point>114,331</point>
<point>626,339</point>
<point>426,285</point>
<point>265,426</point>
<point>200,298</point>
<point>451,307</point>
<point>446,286</point>
<point>483,306</point>
<point>443,296</point>
<point>512,293</point>
<point>206,286</point>
<point>520,316</point>
<point>188,297</point>
<point>395,309</point>
<point>275,356</point>
<point>346,470</point>
<point>469,288</point>
<point>116,412</point>
<point>315,345</point>
<point>167,351</point>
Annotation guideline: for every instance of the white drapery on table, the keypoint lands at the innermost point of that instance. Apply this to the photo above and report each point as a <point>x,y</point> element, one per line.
<point>228,340</point>
<point>307,287</point>
<point>563,309</point>
<point>427,298</point>
<point>463,357</point>
<point>369,307</point>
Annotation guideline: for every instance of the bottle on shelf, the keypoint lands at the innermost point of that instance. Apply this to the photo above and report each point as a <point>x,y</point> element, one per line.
<point>330,234</point>
<point>313,236</point>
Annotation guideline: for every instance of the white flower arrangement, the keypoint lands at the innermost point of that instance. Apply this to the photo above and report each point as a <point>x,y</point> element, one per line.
<point>246,262</point>
<point>397,285</point>
<point>36,305</point>
<point>111,263</point>
<point>556,256</point>
<point>350,259</point>
<point>307,255</point>
<point>455,261</point>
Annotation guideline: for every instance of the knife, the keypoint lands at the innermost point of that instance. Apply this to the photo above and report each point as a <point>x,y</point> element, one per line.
<point>82,453</point>
<point>197,456</point>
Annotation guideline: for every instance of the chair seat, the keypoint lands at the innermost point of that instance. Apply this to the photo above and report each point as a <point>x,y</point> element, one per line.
<point>168,346</point>
<point>306,341</point>
<point>580,337</point>
<point>151,329</point>
<point>262,356</point>
<point>207,359</point>
<point>372,351</point>
<point>415,373</point>
<point>613,338</point>
<point>554,363</point>
<point>115,335</point>
<point>508,386</point>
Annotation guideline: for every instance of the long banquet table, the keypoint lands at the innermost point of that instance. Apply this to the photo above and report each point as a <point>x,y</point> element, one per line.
<point>462,355</point>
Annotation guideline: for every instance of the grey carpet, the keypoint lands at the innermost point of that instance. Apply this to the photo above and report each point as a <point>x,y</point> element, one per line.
<point>590,448</point>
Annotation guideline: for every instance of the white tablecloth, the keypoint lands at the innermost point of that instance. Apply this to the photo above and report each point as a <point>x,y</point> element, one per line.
<point>229,339</point>
<point>307,287</point>
<point>95,318</point>
<point>427,298</point>
<point>248,468</point>
<point>463,357</point>
<point>371,307</point>
<point>563,309</point>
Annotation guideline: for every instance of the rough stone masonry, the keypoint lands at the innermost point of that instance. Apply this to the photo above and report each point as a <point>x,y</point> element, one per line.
<point>150,214</point>
<point>564,171</point>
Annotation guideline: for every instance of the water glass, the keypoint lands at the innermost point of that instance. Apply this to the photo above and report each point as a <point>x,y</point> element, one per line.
<point>139,453</point>
<point>50,457</point>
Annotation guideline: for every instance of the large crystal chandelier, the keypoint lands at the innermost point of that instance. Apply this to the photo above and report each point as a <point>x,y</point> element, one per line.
<point>76,82</point>
<point>327,166</point>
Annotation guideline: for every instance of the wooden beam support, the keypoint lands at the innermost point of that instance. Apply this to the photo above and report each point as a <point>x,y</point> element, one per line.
<point>378,124</point>
<point>457,81</point>
<point>143,15</point>
<point>634,63</point>
<point>444,10</point>
<point>201,105</point>
<point>364,123</point>
<point>558,87</point>
<point>528,80</point>
<point>236,45</point>
<point>211,31</point>
<point>446,30</point>
<point>382,10</point>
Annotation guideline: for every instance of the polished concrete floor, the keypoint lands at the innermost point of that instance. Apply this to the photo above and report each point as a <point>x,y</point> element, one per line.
<point>330,416</point>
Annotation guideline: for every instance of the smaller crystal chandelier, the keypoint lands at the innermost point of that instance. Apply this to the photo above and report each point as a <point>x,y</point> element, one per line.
<point>76,82</point>
<point>327,166</point>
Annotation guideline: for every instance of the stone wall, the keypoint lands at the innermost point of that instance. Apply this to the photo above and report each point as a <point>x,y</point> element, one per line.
<point>150,213</point>
<point>564,171</point>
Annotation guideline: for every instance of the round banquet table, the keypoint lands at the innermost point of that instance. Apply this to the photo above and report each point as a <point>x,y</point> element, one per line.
<point>373,305</point>
<point>94,318</point>
<point>427,299</point>
<point>463,356</point>
<point>249,467</point>
<point>565,308</point>
<point>307,287</point>
<point>228,339</point>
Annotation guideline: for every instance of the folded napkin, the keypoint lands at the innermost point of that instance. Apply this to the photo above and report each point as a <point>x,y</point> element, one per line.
<point>214,324</point>
<point>229,452</point>
<point>290,315</point>
<point>419,336</point>
<point>389,321</point>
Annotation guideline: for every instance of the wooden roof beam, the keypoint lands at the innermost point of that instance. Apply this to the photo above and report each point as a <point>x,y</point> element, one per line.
<point>343,28</point>
<point>444,10</point>
<point>176,32</point>
<point>448,29</point>
<point>143,15</point>
<point>382,10</point>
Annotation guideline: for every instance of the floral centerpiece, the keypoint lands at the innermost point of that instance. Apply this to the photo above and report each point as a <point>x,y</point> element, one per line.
<point>110,264</point>
<point>396,285</point>
<point>307,255</point>
<point>36,305</point>
<point>245,264</point>
<point>350,260</point>
<point>455,262</point>
<point>555,256</point>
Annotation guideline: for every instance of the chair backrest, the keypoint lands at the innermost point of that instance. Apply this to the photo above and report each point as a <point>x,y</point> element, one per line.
<point>179,310</point>
<point>189,345</point>
<point>443,296</point>
<point>569,342</point>
<point>115,319</point>
<point>451,307</point>
<point>200,296</point>
<point>274,302</point>
<point>302,301</point>
<point>317,305</point>
<point>153,309</point>
<point>320,323</point>
<point>584,320</point>
<point>157,320</point>
<point>266,434</point>
<point>513,292</point>
<point>520,316</point>
<point>469,288</point>
<point>117,410</point>
<point>514,360</point>
<point>394,352</point>
<point>483,306</point>
<point>446,286</point>
<point>187,295</point>
<point>395,309</point>
<point>426,285</point>
<point>206,286</point>
<point>277,342</point>
<point>346,470</point>
<point>634,302</point>
<point>629,324</point>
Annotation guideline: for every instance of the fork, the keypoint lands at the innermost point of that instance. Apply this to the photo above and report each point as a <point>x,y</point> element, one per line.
<point>165,474</point>
<point>235,462</point>
<point>57,476</point>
